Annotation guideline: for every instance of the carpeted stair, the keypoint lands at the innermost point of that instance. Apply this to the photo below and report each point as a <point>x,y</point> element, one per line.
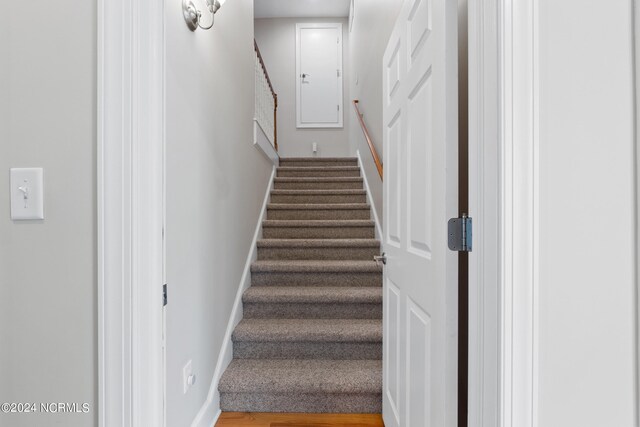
<point>311,335</point>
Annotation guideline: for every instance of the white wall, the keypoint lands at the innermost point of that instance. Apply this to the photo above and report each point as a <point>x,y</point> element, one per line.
<point>587,323</point>
<point>216,180</point>
<point>48,332</point>
<point>373,21</point>
<point>276,38</point>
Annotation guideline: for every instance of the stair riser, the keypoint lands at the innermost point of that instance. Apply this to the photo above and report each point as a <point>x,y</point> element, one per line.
<point>307,350</point>
<point>325,253</point>
<point>315,279</point>
<point>317,163</point>
<point>311,311</point>
<point>305,214</point>
<point>321,185</point>
<point>360,403</point>
<point>327,173</point>
<point>318,232</point>
<point>318,198</point>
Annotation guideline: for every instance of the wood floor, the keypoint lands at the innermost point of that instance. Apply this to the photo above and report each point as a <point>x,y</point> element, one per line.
<point>254,419</point>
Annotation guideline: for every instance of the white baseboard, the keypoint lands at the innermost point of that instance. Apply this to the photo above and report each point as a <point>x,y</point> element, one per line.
<point>210,410</point>
<point>370,198</point>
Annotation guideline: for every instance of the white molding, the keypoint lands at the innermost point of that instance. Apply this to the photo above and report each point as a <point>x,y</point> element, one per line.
<point>351,14</point>
<point>261,141</point>
<point>484,196</point>
<point>130,114</point>
<point>340,124</point>
<point>210,410</point>
<point>636,64</point>
<point>370,198</point>
<point>503,202</point>
<point>519,170</point>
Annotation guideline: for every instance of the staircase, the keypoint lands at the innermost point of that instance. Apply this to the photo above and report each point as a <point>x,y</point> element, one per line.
<point>311,336</point>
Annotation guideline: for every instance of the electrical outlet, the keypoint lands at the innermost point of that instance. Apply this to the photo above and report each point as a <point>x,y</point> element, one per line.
<point>188,378</point>
<point>314,147</point>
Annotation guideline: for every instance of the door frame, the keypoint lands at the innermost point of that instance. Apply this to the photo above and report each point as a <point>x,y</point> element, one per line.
<point>503,188</point>
<point>299,124</point>
<point>130,211</point>
<point>503,142</point>
<point>636,66</point>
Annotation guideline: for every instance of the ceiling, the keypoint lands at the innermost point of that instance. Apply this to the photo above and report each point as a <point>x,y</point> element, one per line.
<point>301,8</point>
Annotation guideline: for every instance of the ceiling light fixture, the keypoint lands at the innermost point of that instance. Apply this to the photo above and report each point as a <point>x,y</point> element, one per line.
<point>192,15</point>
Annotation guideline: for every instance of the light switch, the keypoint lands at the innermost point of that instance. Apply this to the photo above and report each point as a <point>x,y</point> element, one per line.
<point>27,188</point>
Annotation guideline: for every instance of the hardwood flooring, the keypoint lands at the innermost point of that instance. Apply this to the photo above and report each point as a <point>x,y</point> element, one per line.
<point>254,419</point>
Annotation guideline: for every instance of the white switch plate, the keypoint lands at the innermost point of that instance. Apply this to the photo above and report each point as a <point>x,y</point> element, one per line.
<point>187,371</point>
<point>27,193</point>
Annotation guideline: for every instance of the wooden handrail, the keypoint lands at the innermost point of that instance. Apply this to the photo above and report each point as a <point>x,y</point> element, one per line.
<point>273,92</point>
<point>367,136</point>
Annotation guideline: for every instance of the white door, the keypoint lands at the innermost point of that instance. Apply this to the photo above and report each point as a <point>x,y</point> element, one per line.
<point>420,194</point>
<point>319,75</point>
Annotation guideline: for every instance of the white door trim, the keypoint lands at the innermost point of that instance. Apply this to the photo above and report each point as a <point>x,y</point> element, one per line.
<point>299,124</point>
<point>503,140</point>
<point>636,64</point>
<point>130,186</point>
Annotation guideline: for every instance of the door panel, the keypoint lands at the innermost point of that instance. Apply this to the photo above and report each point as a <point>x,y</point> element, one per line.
<point>420,351</point>
<point>319,75</point>
<point>419,26</point>
<point>419,144</point>
<point>418,365</point>
<point>392,346</point>
<point>394,210</point>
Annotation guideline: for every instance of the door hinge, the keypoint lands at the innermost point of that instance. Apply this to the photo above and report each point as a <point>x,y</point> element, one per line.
<point>460,232</point>
<point>338,107</point>
<point>164,294</point>
<point>337,73</point>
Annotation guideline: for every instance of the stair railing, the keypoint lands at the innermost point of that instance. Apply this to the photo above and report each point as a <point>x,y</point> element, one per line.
<point>367,136</point>
<point>266,102</point>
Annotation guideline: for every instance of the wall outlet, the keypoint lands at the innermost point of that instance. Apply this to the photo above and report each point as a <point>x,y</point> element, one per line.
<point>314,147</point>
<point>188,378</point>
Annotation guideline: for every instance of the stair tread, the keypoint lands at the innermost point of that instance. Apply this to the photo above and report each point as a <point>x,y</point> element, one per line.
<point>316,266</point>
<point>318,243</point>
<point>308,330</point>
<point>302,376</point>
<point>321,206</point>
<point>318,223</point>
<point>318,179</point>
<point>320,295</point>
<point>318,168</point>
<point>316,159</point>
<point>312,192</point>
